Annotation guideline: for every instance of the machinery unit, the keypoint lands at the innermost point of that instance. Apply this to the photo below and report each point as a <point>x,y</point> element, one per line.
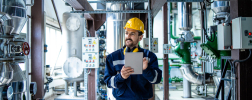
<point>74,28</point>
<point>242,33</point>
<point>224,37</point>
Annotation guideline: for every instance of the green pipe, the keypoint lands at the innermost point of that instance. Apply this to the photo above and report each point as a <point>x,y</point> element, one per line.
<point>184,53</point>
<point>176,65</point>
<point>170,59</point>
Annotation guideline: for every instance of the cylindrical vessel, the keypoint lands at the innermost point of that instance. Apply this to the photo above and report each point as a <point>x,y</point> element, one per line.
<point>115,23</point>
<point>73,30</point>
<point>185,15</point>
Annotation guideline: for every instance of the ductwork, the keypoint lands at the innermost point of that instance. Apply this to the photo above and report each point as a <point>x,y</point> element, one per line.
<point>17,10</point>
<point>185,16</point>
<point>115,24</point>
<point>190,75</point>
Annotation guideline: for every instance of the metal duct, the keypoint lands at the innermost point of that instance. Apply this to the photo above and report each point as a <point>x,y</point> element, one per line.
<point>220,7</point>
<point>6,73</point>
<point>17,10</point>
<point>190,75</point>
<point>185,15</point>
<point>115,24</point>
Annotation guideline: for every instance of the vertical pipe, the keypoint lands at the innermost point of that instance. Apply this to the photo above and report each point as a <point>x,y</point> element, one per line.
<point>186,88</point>
<point>75,89</point>
<point>27,62</point>
<point>150,25</point>
<point>37,35</point>
<point>166,19</point>
<point>66,87</point>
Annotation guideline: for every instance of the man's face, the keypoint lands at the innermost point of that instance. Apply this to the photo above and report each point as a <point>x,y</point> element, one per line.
<point>131,37</point>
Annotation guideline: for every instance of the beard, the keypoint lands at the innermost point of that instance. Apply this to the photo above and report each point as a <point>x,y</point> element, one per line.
<point>131,43</point>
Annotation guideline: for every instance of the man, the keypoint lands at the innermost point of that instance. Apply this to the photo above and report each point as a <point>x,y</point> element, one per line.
<point>117,76</point>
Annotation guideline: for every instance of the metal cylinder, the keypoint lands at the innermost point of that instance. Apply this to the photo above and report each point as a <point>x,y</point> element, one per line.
<point>17,10</point>
<point>115,23</point>
<point>220,7</point>
<point>74,29</point>
<point>186,88</point>
<point>190,75</point>
<point>185,15</point>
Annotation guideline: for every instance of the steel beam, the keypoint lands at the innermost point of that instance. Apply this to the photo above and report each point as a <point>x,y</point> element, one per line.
<point>165,61</point>
<point>120,11</point>
<point>91,85</point>
<point>37,44</point>
<point>140,1</point>
<point>241,8</point>
<point>56,12</point>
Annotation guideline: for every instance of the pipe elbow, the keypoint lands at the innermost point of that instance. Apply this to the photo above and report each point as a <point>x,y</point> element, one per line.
<point>4,17</point>
<point>190,75</point>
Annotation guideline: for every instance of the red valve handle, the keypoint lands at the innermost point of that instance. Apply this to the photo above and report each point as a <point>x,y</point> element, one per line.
<point>26,48</point>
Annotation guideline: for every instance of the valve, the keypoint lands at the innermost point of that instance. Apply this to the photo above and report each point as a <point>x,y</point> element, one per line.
<point>26,48</point>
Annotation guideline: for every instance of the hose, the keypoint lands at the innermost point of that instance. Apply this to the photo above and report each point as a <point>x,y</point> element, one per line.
<point>243,59</point>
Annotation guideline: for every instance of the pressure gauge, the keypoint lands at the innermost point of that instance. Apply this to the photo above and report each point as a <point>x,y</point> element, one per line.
<point>73,23</point>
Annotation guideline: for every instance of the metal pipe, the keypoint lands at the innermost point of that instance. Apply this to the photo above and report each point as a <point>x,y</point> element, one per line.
<point>186,88</point>
<point>185,16</point>
<point>190,75</point>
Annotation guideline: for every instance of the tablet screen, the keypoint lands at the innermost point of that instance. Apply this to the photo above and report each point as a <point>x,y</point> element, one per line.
<point>135,61</point>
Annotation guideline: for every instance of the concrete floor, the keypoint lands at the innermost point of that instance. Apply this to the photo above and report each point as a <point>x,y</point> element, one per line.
<point>175,94</point>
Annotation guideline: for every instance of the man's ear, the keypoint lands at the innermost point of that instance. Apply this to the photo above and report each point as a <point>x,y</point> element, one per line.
<point>140,37</point>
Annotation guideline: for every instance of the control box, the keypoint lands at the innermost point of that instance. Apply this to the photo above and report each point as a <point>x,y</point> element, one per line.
<point>146,43</point>
<point>90,52</point>
<point>90,44</point>
<point>224,37</point>
<point>154,45</point>
<point>167,48</point>
<point>242,33</point>
<point>90,60</point>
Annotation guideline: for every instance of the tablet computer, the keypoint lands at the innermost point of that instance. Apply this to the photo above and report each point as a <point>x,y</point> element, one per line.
<point>135,61</point>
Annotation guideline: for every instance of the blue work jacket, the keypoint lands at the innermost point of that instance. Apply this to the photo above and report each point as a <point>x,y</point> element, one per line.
<point>135,87</point>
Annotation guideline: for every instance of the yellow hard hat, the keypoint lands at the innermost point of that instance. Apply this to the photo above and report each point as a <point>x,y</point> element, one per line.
<point>136,24</point>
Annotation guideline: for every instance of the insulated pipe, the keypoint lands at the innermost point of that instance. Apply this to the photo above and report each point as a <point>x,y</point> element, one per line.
<point>185,16</point>
<point>190,75</point>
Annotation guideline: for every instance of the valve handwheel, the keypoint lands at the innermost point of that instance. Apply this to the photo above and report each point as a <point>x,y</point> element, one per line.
<point>26,48</point>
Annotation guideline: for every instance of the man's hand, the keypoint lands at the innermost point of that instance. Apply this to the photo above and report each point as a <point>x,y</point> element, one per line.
<point>145,63</point>
<point>126,71</point>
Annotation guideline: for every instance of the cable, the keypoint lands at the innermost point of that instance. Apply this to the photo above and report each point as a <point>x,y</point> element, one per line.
<point>243,59</point>
<point>202,5</point>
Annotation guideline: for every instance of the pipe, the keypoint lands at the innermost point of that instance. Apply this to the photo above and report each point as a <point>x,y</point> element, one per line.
<point>170,29</point>
<point>185,53</point>
<point>4,17</point>
<point>190,75</point>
